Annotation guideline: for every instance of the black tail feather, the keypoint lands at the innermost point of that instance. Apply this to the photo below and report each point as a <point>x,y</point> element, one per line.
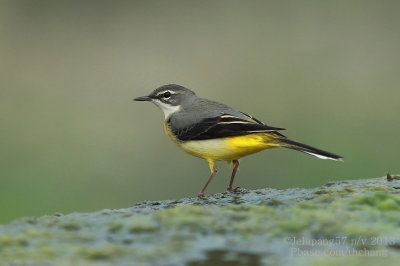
<point>287,143</point>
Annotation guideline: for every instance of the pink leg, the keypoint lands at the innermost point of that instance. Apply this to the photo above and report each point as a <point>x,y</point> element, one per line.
<point>235,168</point>
<point>201,193</point>
<point>214,170</point>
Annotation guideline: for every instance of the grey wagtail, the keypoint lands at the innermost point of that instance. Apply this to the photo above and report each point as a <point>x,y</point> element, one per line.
<point>216,132</point>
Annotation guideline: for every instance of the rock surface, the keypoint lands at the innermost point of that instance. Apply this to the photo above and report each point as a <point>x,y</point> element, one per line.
<point>353,222</point>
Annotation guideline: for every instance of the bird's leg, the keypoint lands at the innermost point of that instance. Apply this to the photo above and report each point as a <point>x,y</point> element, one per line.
<point>201,193</point>
<point>234,170</point>
<point>214,170</point>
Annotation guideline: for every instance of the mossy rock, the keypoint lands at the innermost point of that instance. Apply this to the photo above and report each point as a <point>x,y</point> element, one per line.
<point>349,222</point>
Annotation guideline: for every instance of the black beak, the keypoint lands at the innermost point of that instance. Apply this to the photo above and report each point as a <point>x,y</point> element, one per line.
<point>143,98</point>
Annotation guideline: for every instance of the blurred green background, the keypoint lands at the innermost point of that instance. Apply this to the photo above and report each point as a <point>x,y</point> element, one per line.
<point>72,139</point>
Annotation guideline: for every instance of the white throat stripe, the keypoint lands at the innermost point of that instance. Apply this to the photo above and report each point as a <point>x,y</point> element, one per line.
<point>167,109</point>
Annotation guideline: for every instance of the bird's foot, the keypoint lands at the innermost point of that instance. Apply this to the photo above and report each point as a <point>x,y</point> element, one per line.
<point>203,196</point>
<point>234,190</point>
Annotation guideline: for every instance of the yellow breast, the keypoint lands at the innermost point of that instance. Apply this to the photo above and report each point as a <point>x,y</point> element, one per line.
<point>228,149</point>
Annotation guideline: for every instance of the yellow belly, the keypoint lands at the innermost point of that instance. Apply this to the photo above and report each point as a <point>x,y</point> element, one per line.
<point>230,148</point>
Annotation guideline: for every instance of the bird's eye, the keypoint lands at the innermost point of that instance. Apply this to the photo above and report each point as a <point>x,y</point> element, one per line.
<point>166,95</point>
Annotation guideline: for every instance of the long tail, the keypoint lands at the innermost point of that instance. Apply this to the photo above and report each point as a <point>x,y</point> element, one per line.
<point>287,143</point>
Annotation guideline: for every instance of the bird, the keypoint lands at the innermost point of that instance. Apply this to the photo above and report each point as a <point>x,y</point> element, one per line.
<point>215,132</point>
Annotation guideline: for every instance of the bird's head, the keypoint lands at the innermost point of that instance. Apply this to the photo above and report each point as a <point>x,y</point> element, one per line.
<point>169,98</point>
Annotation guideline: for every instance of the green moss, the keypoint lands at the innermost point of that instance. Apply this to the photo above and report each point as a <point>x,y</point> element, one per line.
<point>292,225</point>
<point>13,240</point>
<point>389,205</point>
<point>307,205</point>
<point>327,196</point>
<point>273,202</point>
<point>195,218</point>
<point>142,223</point>
<point>115,226</point>
<point>102,253</point>
<point>71,226</point>
<point>73,223</point>
<point>380,188</point>
<point>321,192</point>
<point>382,201</point>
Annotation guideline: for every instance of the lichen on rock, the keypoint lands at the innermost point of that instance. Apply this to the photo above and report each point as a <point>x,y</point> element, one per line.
<point>349,222</point>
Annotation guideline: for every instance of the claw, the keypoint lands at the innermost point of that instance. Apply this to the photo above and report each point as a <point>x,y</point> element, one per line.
<point>233,190</point>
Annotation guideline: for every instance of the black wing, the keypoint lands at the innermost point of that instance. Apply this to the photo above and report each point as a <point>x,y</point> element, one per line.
<point>253,118</point>
<point>221,126</point>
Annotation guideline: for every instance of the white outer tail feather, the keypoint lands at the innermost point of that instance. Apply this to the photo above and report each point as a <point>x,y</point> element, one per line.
<point>323,157</point>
